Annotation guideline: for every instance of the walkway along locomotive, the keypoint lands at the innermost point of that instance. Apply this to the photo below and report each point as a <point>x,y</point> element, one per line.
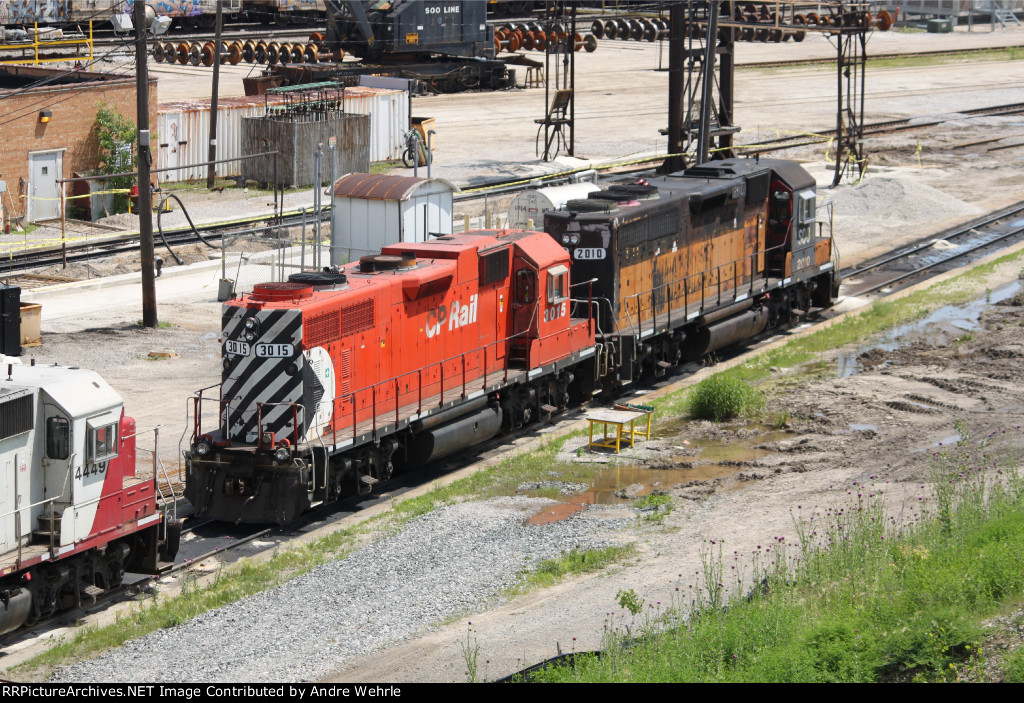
<point>73,514</point>
<point>333,379</point>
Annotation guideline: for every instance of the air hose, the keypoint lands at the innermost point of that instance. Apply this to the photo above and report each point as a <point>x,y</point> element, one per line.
<point>160,228</point>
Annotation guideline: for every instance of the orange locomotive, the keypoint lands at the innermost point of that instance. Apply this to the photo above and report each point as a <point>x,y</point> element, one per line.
<point>333,379</point>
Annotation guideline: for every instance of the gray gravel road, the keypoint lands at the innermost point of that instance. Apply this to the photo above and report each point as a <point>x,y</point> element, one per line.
<point>440,566</point>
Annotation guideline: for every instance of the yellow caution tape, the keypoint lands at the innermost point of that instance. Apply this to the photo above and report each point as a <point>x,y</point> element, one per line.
<point>116,191</point>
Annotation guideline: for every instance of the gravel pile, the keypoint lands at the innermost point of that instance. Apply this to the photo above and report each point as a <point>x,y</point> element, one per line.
<point>442,565</point>
<point>896,201</point>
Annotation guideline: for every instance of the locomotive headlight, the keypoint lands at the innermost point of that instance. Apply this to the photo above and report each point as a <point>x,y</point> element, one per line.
<point>250,336</point>
<point>281,454</point>
<point>202,448</point>
<point>251,323</point>
<point>574,239</point>
<point>565,238</point>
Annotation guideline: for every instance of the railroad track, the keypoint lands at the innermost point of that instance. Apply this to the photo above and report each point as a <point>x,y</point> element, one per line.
<point>873,129</point>
<point>22,262</point>
<point>936,254</point>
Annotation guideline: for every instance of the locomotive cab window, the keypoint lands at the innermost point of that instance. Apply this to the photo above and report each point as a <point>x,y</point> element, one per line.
<point>524,286</point>
<point>102,438</point>
<point>558,284</point>
<point>58,437</point>
<point>805,217</point>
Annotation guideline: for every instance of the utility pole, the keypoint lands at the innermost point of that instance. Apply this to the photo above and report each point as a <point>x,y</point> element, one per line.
<point>211,170</point>
<point>145,194</point>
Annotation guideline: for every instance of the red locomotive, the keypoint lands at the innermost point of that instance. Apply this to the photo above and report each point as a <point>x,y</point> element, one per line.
<point>332,379</point>
<point>73,514</point>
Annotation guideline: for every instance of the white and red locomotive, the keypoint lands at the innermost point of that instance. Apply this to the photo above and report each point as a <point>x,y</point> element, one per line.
<point>74,517</point>
<point>333,379</point>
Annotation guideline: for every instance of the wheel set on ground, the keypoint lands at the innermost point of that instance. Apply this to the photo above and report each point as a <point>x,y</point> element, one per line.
<point>248,51</point>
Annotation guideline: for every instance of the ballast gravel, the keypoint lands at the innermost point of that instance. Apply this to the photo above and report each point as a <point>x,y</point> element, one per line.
<point>442,565</point>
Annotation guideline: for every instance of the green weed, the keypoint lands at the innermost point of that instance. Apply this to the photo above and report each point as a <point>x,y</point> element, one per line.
<point>721,397</point>
<point>577,561</point>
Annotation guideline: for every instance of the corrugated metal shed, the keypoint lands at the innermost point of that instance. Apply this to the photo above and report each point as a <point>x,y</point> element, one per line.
<point>183,129</point>
<point>373,210</point>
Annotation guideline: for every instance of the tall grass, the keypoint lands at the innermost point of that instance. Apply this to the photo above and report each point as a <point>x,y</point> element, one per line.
<point>721,397</point>
<point>863,594</point>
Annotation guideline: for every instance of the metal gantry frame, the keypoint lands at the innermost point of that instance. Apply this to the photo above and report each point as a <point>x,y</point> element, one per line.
<point>559,121</point>
<point>701,71</point>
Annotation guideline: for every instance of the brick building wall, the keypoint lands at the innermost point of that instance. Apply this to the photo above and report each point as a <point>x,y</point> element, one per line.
<point>72,126</point>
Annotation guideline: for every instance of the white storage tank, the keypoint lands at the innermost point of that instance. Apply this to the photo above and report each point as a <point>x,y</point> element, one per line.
<point>532,204</point>
<point>373,210</point>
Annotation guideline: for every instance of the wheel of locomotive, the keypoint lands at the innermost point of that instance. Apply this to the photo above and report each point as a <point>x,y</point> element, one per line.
<point>182,52</point>
<point>540,41</point>
<point>311,54</point>
<point>650,31</point>
<point>775,35</point>
<point>813,18</point>
<point>577,42</point>
<point>316,38</point>
<point>248,51</point>
<point>284,53</point>
<point>170,52</point>
<point>597,29</point>
<point>528,43</point>
<point>298,53</point>
<point>195,54</point>
<point>885,21</point>
<point>234,53</point>
<point>514,42</point>
<point>273,53</point>
<point>259,52</point>
<point>157,52</point>
<point>636,30</point>
<point>611,29</point>
<point>623,25</point>
<point>590,43</point>
<point>798,36</point>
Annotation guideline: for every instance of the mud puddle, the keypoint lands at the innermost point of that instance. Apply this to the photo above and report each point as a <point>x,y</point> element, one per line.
<point>942,327</point>
<point>658,466</point>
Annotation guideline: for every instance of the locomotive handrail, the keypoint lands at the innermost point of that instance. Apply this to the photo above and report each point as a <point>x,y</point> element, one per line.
<point>157,471</point>
<point>395,381</point>
<point>686,289</point>
<point>17,511</point>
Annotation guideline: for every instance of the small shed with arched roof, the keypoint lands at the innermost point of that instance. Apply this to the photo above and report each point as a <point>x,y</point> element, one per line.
<point>374,210</point>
